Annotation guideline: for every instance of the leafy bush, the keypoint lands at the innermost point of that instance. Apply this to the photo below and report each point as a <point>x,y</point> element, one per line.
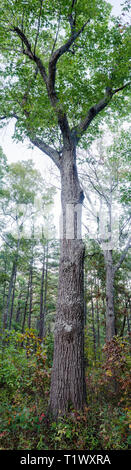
<point>24,385</point>
<point>115,378</point>
<point>104,423</point>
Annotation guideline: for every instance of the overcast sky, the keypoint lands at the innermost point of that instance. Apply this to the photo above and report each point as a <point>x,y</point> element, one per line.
<point>116,6</point>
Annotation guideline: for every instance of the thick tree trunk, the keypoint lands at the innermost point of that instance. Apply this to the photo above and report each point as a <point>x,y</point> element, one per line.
<point>110,315</point>
<point>67,381</point>
<point>68,367</point>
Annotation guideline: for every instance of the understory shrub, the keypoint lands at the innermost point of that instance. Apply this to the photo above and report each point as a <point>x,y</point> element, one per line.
<point>25,370</point>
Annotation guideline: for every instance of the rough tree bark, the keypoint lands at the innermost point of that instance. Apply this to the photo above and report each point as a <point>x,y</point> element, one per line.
<point>68,382</point>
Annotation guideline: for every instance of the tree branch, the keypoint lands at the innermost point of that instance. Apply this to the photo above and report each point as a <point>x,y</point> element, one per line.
<point>50,82</point>
<point>125,224</point>
<point>45,148</point>
<point>24,40</point>
<point>58,53</point>
<point>30,54</point>
<point>99,191</point>
<point>62,118</point>
<point>94,110</point>
<point>121,88</point>
<point>72,20</point>
<point>57,32</point>
<point>38,27</point>
<point>12,115</point>
<point>117,266</point>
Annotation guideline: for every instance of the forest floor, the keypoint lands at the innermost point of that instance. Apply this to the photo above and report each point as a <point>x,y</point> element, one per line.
<point>25,372</point>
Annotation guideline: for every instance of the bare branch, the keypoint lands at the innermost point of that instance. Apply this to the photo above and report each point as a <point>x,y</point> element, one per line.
<point>125,224</point>
<point>101,188</point>
<point>98,190</point>
<point>123,256</point>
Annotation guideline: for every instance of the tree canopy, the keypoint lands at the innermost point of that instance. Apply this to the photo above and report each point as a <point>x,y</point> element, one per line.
<point>63,63</point>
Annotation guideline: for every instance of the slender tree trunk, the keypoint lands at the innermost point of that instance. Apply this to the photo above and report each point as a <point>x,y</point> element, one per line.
<point>110,315</point>
<point>93,324</point>
<point>18,307</point>
<point>45,292</point>
<point>4,288</point>
<point>13,274</point>
<point>98,323</point>
<point>123,326</point>
<point>67,381</point>
<point>128,325</point>
<point>31,293</point>
<point>41,323</point>
<point>85,303</point>
<point>25,309</point>
<point>12,303</point>
<point>6,312</point>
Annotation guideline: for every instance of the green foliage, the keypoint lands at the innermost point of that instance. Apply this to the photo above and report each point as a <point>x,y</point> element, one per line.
<point>116,370</point>
<point>24,388</point>
<point>83,73</point>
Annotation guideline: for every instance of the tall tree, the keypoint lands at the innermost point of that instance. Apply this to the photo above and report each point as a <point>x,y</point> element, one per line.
<point>41,327</point>
<point>108,178</point>
<point>62,78</point>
